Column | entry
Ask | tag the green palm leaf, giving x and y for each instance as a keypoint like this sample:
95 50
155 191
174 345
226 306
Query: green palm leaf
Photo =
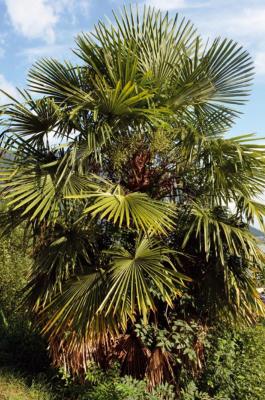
104 300
76 309
34 183
130 209
63 251
219 236
34 119
132 274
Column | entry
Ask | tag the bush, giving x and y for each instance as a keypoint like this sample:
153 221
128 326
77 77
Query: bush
234 368
14 269
127 388
21 347
249 375
103 385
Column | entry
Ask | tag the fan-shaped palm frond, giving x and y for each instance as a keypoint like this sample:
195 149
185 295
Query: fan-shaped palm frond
34 119
132 274
219 236
151 43
130 209
62 82
34 182
60 253
76 309
231 168
109 296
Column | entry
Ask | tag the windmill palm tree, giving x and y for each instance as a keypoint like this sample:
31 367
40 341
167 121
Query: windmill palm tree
119 169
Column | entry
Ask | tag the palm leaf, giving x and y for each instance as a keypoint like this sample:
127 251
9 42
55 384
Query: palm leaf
76 309
219 236
131 275
35 182
131 209
104 300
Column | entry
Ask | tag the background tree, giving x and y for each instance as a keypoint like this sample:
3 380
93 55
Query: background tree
120 170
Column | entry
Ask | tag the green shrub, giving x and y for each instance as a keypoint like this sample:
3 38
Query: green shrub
21 347
14 269
235 367
129 389
191 392
103 385
249 374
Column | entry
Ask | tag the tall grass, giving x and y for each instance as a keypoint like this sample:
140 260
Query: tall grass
14 387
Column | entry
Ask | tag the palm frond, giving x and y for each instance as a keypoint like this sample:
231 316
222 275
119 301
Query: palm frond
131 275
76 309
33 119
104 299
220 236
130 209
34 182
60 253
232 168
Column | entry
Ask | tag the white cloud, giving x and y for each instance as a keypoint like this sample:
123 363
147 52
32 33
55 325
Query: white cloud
33 18
246 24
168 5
251 21
72 6
8 87
37 19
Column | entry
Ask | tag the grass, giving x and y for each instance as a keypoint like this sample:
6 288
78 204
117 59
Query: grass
14 387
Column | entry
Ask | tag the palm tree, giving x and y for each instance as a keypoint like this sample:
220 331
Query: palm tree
119 169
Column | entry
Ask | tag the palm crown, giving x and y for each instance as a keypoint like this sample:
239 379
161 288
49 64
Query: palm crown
130 208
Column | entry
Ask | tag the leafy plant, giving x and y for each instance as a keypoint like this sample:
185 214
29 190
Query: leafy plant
21 346
130 209
233 367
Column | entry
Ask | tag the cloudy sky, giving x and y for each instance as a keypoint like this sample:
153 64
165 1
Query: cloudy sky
31 29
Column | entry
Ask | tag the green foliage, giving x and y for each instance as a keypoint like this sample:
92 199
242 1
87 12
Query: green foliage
191 392
21 347
234 366
118 238
179 339
222 364
183 341
249 374
129 389
102 385
14 268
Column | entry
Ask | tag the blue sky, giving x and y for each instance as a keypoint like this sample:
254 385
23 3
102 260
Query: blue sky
31 29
